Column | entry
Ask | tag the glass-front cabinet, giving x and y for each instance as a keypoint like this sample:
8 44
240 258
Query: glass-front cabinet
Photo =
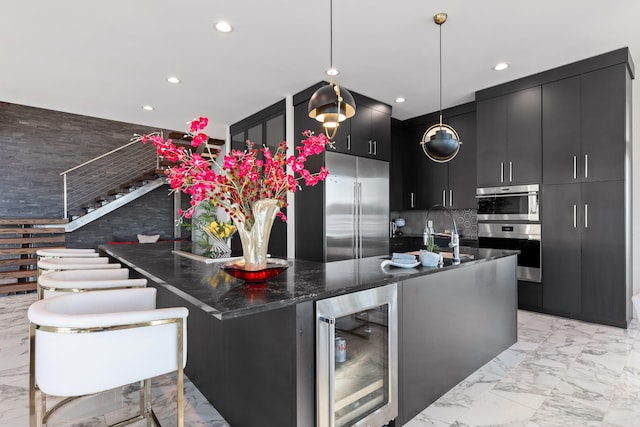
357 365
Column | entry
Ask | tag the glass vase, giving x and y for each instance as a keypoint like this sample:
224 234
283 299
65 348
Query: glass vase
255 241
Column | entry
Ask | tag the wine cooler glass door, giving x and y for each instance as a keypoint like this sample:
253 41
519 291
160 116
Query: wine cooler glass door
357 362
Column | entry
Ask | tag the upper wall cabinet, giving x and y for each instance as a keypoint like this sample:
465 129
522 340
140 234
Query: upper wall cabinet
371 133
451 184
509 132
397 169
584 127
266 127
367 134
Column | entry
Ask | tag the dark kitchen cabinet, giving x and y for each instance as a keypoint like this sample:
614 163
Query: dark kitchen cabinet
583 251
577 145
397 169
451 184
371 133
478 307
265 127
462 169
509 138
367 134
604 293
561 247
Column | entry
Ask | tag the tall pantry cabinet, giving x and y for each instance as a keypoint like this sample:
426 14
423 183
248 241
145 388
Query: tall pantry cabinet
586 134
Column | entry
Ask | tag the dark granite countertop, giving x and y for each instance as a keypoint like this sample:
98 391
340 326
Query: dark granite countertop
224 297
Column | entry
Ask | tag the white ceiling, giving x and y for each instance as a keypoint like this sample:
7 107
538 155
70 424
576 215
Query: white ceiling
108 59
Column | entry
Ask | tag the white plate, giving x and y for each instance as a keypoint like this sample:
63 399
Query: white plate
397 264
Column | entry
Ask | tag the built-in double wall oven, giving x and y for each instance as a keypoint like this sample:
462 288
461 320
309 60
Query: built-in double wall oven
509 218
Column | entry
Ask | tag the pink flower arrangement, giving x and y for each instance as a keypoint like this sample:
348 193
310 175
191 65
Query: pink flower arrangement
243 178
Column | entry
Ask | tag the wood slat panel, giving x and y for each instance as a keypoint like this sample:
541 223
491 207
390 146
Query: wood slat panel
20 239
17 262
30 230
33 221
17 251
32 240
25 251
20 274
18 287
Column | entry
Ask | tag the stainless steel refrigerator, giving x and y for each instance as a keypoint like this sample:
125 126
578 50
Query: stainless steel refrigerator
356 207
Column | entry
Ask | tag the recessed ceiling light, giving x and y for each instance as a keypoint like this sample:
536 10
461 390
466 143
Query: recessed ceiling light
148 107
501 66
332 72
173 80
223 27
400 99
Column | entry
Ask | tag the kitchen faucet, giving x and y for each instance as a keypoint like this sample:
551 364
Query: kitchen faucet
455 239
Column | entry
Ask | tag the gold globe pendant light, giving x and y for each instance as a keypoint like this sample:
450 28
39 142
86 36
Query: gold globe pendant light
331 104
440 142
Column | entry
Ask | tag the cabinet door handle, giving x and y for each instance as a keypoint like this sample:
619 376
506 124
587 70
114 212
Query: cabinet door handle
349 142
575 167
444 198
413 199
586 166
370 147
586 215
450 197
510 171
575 216
501 171
375 147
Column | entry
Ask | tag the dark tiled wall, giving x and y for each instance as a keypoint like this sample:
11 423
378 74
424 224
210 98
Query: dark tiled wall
150 214
37 144
466 221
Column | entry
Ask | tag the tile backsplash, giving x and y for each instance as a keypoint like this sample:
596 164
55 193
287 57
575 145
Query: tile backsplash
466 221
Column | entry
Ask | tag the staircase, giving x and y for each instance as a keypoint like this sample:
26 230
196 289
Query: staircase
107 182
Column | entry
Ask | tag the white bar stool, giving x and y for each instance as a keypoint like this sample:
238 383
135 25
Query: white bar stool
90 342
66 252
68 281
60 264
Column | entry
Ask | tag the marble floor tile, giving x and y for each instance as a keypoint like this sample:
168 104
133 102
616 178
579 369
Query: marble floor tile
560 373
495 409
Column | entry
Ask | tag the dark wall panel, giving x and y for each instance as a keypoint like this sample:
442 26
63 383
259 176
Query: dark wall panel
37 144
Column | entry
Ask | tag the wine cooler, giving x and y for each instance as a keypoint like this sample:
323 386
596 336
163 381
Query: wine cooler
357 358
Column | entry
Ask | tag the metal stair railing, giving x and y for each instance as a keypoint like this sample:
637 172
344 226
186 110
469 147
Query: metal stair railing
109 171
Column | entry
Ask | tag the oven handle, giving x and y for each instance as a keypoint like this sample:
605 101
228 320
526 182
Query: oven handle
492 196
534 237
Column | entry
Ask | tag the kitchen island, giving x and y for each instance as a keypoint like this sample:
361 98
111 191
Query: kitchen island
251 349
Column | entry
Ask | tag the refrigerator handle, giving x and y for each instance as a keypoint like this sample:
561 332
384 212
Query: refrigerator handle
354 215
359 220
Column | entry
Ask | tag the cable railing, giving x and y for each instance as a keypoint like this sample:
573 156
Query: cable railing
95 178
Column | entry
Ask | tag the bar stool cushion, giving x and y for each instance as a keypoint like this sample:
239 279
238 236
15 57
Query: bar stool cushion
76 263
67 252
62 282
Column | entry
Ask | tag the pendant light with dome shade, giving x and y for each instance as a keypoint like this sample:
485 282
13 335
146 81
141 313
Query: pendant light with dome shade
331 104
440 142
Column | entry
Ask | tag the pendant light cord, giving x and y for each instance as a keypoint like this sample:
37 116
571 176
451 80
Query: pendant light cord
440 25
331 40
